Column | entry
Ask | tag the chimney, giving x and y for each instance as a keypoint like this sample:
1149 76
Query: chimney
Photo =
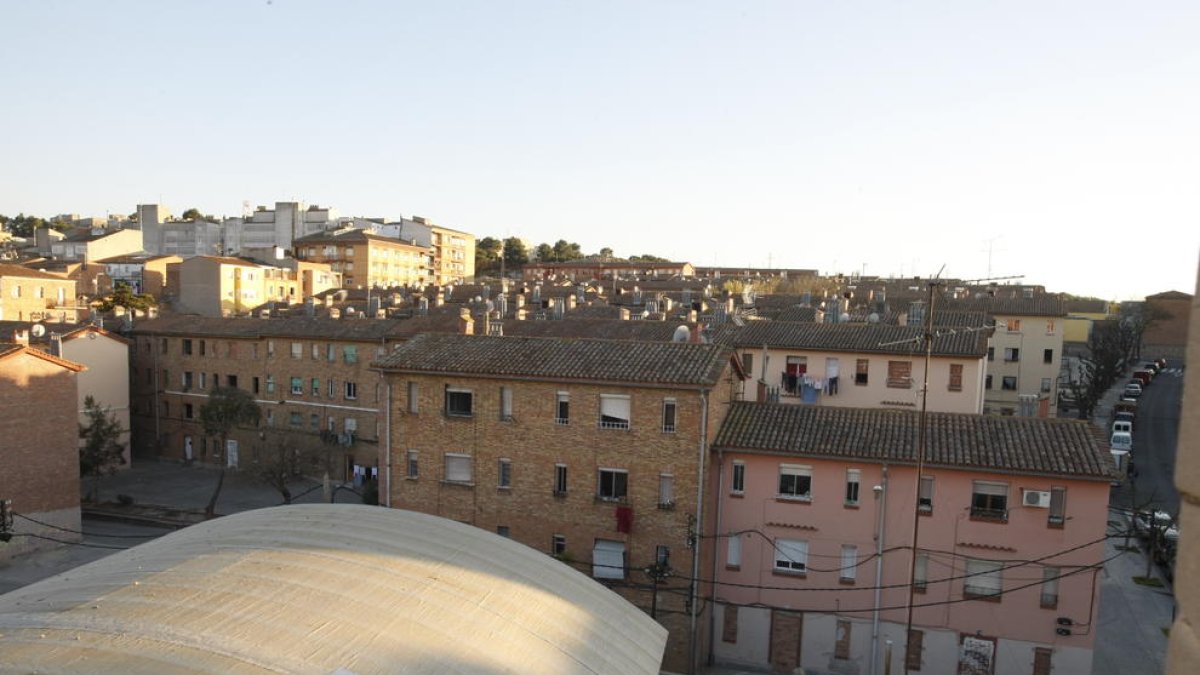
623 313
520 300
21 336
691 316
56 348
571 302
466 325
440 299
520 313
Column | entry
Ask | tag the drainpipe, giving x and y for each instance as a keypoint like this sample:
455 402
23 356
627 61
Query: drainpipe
387 443
712 615
699 528
880 535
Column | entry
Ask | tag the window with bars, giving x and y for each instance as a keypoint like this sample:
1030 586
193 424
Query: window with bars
562 408
925 495
504 473
956 377
412 465
560 480
989 500
861 371
738 483
1058 507
668 416
614 411
853 480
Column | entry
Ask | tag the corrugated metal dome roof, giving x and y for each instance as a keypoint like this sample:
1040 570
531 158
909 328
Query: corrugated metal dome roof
320 588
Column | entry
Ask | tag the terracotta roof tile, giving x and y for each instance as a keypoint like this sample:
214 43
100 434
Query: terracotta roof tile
1058 447
851 337
657 363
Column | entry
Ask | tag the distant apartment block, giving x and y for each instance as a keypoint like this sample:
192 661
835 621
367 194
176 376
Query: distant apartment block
451 252
30 295
587 270
224 286
365 259
90 245
162 234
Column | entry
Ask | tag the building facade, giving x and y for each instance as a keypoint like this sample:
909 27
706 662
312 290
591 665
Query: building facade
589 450
30 295
365 259
223 286
819 509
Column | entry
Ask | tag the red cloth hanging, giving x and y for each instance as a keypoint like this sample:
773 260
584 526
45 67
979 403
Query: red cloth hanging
624 519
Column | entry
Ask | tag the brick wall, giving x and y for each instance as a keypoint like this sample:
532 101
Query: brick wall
40 433
535 443
1184 652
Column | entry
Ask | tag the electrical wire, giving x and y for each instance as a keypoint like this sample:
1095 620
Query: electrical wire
70 543
89 534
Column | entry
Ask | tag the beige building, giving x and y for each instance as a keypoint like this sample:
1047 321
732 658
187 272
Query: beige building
859 365
451 253
1183 657
223 286
588 450
106 379
30 295
365 259
144 274
97 243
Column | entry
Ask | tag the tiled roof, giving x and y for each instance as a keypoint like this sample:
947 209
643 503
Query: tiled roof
851 337
1038 305
9 270
798 313
607 329
1087 306
8 349
354 235
655 363
290 327
1059 447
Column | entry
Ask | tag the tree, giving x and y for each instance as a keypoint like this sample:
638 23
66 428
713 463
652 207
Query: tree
227 408
606 253
647 258
123 296
101 452
192 214
278 464
487 253
515 253
544 253
565 250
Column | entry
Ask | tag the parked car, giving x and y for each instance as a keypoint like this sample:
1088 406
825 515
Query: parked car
1122 426
1121 440
1132 390
1143 377
1152 366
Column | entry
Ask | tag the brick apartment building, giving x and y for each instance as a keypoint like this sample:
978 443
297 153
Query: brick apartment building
589 450
39 452
308 374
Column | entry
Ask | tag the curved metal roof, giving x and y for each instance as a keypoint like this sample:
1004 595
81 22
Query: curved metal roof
323 588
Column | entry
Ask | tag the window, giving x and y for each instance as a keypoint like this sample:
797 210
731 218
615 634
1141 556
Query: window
849 563
297 386
853 477
899 374
562 409
748 363
925 495
504 473
729 626
733 551
1012 354
560 480
613 485
1009 383
254 384
860 371
666 491
608 559
912 654
991 353
162 346
316 351
668 416
332 388
188 413
351 391
295 419
614 411
330 352
1050 587
987 382
1050 328
204 350
791 555
412 466
232 381
503 531
1045 385
1058 506
297 350
989 500
187 380
413 392
506 404
739 478
1014 325
956 371
458 468
1047 356
204 380
270 384
458 402
187 347
983 579
270 417
795 482
315 386
270 348
921 572
314 421
558 545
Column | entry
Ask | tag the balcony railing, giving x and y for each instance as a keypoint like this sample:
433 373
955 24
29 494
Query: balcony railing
997 515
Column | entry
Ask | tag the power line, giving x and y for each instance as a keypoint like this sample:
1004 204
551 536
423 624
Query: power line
88 534
70 543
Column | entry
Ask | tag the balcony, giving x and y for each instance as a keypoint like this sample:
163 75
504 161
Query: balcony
991 515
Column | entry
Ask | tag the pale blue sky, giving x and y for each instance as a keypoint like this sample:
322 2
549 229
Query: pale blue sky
892 136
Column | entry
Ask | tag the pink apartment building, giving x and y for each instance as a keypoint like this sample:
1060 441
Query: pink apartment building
815 526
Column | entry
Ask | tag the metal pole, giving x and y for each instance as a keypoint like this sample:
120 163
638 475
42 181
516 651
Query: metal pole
879 543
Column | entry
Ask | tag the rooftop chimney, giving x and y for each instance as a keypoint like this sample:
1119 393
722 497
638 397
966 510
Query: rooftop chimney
21 336
466 325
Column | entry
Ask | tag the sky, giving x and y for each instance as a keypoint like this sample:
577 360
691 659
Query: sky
1057 142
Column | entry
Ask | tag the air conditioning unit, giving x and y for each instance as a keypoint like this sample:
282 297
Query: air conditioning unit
1036 498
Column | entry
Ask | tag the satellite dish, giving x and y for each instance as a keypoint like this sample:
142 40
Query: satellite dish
872 318
682 334
844 318
38 330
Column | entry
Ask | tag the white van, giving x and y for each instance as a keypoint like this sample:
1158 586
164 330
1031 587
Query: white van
1121 440
1122 427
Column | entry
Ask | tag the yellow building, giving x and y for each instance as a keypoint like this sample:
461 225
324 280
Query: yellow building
224 286
366 259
